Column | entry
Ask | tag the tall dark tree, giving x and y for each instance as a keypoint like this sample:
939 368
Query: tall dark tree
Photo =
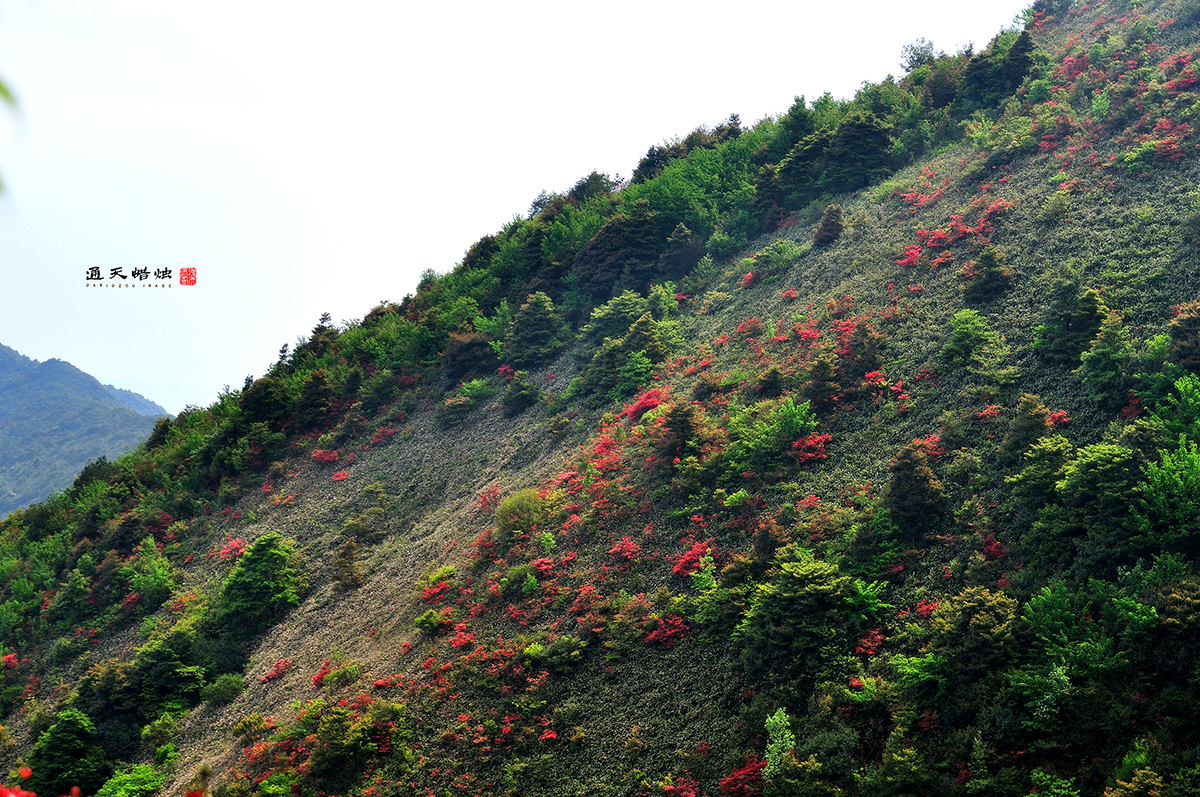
860 153
538 334
68 755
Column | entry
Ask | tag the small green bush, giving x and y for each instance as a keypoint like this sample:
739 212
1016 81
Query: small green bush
224 690
140 780
969 333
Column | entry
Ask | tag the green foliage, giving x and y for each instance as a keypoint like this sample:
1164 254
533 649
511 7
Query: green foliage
915 496
797 617
1096 484
224 690
761 436
1179 412
1030 424
634 374
347 573
163 730
780 741
265 583
519 514
831 226
139 780
992 277
519 394
1103 366
970 332
68 755
538 334
1167 515
1072 319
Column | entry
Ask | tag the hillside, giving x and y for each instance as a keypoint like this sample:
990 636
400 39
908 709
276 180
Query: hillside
53 419
853 452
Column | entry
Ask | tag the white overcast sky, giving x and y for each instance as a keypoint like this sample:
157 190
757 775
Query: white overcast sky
306 158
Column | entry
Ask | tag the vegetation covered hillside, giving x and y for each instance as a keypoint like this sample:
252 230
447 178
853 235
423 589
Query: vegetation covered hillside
53 419
851 453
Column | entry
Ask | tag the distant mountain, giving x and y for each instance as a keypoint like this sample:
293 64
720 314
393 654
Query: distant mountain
53 419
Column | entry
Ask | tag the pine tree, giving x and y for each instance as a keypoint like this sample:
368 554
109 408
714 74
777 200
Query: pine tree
822 389
1184 330
1030 425
992 277
831 226
348 575
538 334
916 497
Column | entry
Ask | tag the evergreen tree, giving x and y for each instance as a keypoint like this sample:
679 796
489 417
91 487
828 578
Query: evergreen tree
1071 321
316 400
519 394
992 277
831 226
860 153
537 335
822 389
915 497
67 755
1184 330
347 575
1030 425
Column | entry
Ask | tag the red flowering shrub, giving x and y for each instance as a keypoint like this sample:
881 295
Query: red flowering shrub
652 398
926 608
870 643
668 632
751 327
690 562
988 412
234 547
489 499
1058 418
749 279
626 549
277 670
745 781
324 456
789 293
912 253
340 476
810 447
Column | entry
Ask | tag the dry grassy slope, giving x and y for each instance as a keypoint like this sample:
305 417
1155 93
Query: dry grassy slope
685 696
438 473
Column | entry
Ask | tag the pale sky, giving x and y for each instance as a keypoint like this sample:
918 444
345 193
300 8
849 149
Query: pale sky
306 157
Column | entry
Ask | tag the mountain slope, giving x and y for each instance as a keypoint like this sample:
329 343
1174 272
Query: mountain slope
854 452
53 419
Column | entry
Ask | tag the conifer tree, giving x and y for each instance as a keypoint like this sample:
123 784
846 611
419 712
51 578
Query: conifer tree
916 497
348 575
822 389
1184 330
831 226
538 334
992 277
1030 425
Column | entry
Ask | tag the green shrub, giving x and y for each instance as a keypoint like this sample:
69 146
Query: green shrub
991 278
831 226
162 731
265 583
140 780
519 394
68 755
761 437
969 333
519 514
224 690
538 334
1071 320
